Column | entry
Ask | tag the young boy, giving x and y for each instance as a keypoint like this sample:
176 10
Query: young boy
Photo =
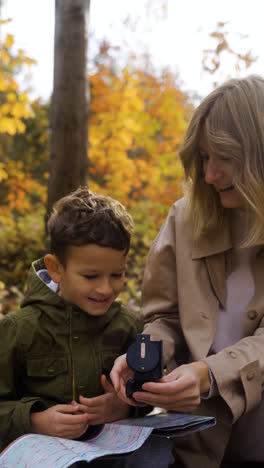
56 351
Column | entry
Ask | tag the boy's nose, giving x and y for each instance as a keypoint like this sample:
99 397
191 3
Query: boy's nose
105 287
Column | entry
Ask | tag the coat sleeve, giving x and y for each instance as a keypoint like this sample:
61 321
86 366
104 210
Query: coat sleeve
14 408
160 297
238 369
238 372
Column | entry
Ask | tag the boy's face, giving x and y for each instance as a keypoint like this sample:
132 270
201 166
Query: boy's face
92 278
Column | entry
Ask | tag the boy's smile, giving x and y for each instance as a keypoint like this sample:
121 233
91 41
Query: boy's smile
92 278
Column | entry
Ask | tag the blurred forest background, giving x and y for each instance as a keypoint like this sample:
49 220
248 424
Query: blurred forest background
136 121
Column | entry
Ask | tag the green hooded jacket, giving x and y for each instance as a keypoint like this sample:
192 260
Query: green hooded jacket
51 352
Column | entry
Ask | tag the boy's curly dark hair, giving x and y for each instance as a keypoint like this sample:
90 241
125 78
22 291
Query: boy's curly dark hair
83 217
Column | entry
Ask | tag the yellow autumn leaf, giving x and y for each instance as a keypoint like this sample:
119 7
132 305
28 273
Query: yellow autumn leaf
20 126
12 84
29 61
3 85
23 97
7 125
5 108
5 21
4 56
9 41
19 109
125 138
11 97
3 173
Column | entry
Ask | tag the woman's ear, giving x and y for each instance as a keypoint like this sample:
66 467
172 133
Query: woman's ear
54 267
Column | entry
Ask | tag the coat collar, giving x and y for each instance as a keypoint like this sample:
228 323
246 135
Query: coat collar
216 250
218 242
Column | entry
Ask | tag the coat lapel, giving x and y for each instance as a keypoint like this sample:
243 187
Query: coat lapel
216 266
213 249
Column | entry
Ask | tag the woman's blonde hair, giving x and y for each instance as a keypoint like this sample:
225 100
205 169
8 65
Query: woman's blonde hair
233 119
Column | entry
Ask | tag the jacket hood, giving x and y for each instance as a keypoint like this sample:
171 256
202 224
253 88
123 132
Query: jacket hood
38 291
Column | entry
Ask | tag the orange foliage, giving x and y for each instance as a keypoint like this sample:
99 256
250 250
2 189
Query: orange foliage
136 124
22 190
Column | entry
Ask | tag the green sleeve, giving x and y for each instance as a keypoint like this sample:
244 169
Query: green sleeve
14 408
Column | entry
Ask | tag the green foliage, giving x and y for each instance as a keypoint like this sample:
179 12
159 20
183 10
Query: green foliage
22 242
148 217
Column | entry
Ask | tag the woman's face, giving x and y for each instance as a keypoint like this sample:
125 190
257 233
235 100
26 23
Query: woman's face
218 172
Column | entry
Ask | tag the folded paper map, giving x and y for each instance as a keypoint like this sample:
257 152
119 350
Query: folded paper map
117 438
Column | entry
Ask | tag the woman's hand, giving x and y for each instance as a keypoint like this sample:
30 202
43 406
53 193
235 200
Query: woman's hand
60 421
104 408
119 375
178 391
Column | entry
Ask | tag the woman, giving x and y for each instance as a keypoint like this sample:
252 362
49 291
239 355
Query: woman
203 291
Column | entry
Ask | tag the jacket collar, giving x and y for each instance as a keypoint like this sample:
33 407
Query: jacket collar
215 249
215 243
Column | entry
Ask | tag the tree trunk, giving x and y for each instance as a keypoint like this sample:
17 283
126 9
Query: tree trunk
69 114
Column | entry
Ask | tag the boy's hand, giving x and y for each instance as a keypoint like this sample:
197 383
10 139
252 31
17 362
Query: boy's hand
60 421
104 408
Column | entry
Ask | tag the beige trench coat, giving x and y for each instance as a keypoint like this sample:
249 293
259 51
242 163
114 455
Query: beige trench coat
184 283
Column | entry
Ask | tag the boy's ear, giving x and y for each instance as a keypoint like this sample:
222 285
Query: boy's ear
54 267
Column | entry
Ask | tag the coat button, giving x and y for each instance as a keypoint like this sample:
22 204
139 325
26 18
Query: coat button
252 314
232 354
76 338
250 375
